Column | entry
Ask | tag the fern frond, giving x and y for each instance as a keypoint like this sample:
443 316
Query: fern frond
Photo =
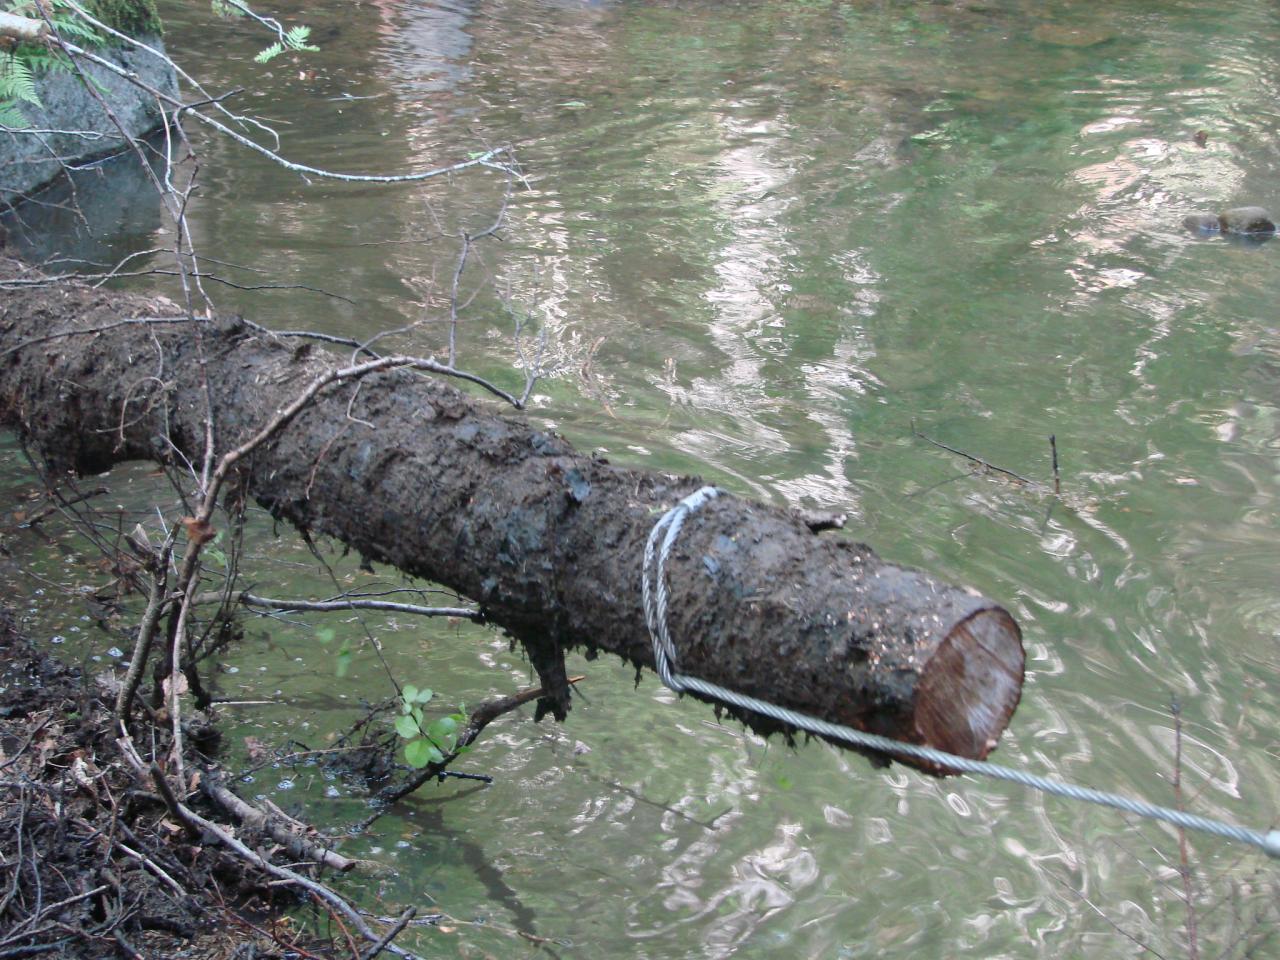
268 53
73 28
296 38
17 82
11 116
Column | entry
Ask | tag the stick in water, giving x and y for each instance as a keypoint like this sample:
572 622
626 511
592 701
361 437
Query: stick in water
1057 478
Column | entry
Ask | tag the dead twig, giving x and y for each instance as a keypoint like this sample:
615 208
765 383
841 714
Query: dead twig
323 606
396 929
985 464
199 826
299 846
87 331
1132 938
1184 863
1057 477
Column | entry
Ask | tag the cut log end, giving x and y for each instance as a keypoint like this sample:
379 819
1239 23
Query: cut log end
970 686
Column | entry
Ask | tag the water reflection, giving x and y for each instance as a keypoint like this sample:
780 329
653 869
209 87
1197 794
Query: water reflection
93 218
426 45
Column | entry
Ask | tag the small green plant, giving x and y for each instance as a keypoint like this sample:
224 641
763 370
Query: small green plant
293 39
17 86
20 65
213 550
341 659
425 742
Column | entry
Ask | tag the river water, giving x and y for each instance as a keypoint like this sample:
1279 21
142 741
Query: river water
763 240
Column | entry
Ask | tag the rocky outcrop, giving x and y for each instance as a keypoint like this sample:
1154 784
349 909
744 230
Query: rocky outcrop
71 127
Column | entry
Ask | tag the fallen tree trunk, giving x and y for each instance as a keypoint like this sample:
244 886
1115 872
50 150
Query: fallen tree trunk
410 471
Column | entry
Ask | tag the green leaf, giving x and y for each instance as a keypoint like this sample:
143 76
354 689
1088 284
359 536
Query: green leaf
442 729
342 662
407 728
405 707
409 692
424 696
325 634
419 753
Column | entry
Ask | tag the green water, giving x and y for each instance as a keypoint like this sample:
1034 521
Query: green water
762 239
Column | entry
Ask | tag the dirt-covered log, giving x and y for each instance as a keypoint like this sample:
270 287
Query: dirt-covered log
409 471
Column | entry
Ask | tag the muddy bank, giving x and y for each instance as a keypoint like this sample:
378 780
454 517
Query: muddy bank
91 864
410 471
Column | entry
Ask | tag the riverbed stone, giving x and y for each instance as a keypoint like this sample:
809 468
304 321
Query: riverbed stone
1202 223
1060 35
1246 220
70 127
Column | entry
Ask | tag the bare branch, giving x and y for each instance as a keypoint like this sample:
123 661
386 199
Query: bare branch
146 636
324 606
490 158
985 464
193 822
88 331
298 845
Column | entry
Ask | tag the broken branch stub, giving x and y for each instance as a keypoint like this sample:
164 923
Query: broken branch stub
410 471
22 29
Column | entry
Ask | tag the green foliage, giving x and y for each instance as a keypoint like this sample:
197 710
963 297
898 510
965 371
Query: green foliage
426 742
214 551
134 17
342 661
294 39
17 85
20 66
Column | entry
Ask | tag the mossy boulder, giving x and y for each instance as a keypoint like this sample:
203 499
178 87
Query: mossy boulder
137 18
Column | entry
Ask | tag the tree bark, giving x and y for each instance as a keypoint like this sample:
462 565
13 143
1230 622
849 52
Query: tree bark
410 471
22 29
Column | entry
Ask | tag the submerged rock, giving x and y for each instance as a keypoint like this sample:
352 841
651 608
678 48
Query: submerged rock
1252 220
1202 223
1059 35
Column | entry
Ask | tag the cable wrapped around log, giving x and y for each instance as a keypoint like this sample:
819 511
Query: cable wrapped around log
410 471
